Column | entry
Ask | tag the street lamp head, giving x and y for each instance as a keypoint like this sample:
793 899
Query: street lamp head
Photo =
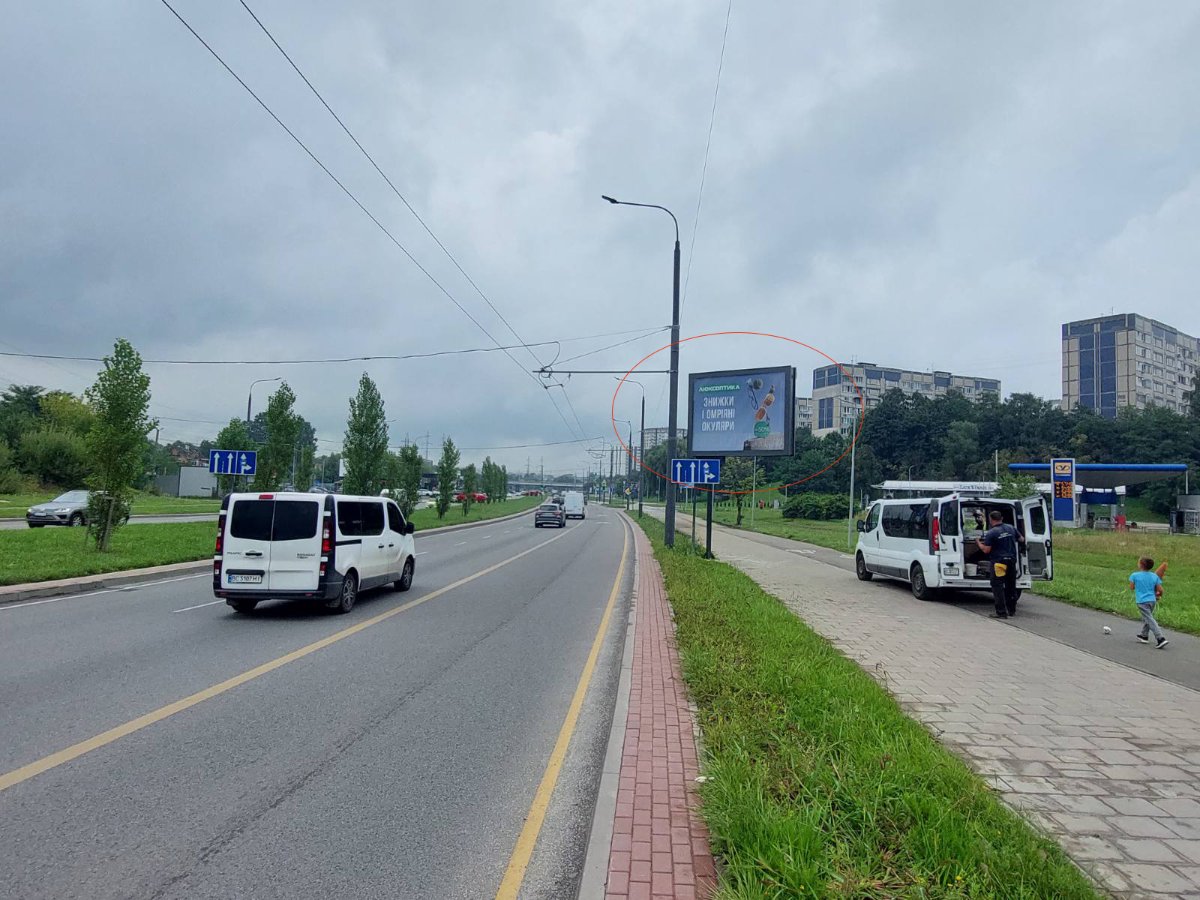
609 199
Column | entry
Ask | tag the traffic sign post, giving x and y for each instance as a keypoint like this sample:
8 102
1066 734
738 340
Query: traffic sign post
705 473
233 462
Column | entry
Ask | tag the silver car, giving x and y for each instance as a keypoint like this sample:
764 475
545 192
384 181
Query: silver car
67 509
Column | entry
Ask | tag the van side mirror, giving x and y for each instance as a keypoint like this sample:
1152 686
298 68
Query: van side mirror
862 525
409 527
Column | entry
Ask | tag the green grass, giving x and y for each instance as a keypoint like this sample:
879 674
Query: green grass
13 506
46 554
1136 510
817 783
1091 568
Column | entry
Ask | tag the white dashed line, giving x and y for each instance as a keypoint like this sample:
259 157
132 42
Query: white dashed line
117 590
199 606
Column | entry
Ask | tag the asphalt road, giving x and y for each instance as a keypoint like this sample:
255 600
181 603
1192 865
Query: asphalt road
399 761
133 520
1074 626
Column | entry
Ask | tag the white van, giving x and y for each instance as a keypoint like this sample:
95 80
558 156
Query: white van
573 505
324 547
934 543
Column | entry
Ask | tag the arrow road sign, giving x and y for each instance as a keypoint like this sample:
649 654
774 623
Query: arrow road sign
696 471
233 462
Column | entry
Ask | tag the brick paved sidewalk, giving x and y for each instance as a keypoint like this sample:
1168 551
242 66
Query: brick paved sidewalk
1103 758
659 844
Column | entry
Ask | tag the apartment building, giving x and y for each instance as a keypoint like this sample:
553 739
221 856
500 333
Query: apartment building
836 402
1126 360
804 413
656 436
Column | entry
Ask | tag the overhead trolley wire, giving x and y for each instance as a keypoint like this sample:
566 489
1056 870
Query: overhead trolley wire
354 199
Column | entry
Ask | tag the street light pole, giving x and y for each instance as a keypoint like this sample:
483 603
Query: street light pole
672 412
250 394
641 445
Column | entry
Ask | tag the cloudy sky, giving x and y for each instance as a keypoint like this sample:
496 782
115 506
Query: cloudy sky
928 185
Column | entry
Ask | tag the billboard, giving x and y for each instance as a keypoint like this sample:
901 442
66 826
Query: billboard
744 412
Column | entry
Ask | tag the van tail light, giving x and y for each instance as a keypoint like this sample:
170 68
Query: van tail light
322 570
326 540
220 535
935 536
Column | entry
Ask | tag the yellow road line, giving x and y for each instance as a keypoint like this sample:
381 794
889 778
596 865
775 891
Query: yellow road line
16 776
514 875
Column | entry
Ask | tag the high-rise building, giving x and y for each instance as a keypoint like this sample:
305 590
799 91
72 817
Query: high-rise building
656 436
1126 360
804 413
836 400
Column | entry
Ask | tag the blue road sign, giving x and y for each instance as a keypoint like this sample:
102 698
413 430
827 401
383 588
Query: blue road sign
696 471
233 462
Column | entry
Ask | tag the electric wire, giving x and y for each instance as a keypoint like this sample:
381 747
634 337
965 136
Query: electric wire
707 146
383 228
404 200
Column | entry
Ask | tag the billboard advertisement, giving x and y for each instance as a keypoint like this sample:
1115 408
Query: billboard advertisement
744 412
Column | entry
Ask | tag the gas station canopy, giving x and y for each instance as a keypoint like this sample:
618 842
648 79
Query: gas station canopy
1106 476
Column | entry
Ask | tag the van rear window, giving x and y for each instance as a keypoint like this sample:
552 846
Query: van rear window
359 518
293 520
251 519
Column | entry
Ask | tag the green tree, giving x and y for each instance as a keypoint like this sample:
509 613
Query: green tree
55 457
63 411
234 436
447 472
305 465
1014 486
275 453
10 478
120 399
404 477
961 444
366 442
470 478
19 410
739 474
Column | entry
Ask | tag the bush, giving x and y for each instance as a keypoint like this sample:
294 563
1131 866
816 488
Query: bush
54 457
810 505
10 478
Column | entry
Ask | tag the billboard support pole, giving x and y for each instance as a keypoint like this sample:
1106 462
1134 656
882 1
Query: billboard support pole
708 527
693 515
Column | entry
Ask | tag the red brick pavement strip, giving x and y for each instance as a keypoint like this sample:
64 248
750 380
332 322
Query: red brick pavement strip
660 844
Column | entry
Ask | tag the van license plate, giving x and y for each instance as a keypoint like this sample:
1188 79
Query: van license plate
245 579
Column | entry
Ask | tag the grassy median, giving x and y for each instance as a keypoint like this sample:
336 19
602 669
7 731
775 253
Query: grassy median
817 783
13 506
47 554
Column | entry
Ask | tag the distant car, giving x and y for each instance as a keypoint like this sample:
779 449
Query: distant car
550 514
477 497
66 509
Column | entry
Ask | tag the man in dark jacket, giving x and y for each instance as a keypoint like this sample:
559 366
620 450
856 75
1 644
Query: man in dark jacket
1000 545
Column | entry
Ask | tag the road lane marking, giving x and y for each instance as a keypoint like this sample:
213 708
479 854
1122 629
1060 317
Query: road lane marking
199 606
127 589
514 875
460 543
420 553
67 754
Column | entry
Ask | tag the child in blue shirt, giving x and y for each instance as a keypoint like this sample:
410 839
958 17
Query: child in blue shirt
1147 589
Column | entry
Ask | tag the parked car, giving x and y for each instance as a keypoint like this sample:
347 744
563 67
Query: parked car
934 543
324 549
550 514
66 509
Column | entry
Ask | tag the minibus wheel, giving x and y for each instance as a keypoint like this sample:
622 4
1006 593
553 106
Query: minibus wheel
349 593
243 606
406 576
861 570
921 590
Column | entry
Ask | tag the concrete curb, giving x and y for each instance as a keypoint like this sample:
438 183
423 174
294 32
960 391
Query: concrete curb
595 865
15 593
